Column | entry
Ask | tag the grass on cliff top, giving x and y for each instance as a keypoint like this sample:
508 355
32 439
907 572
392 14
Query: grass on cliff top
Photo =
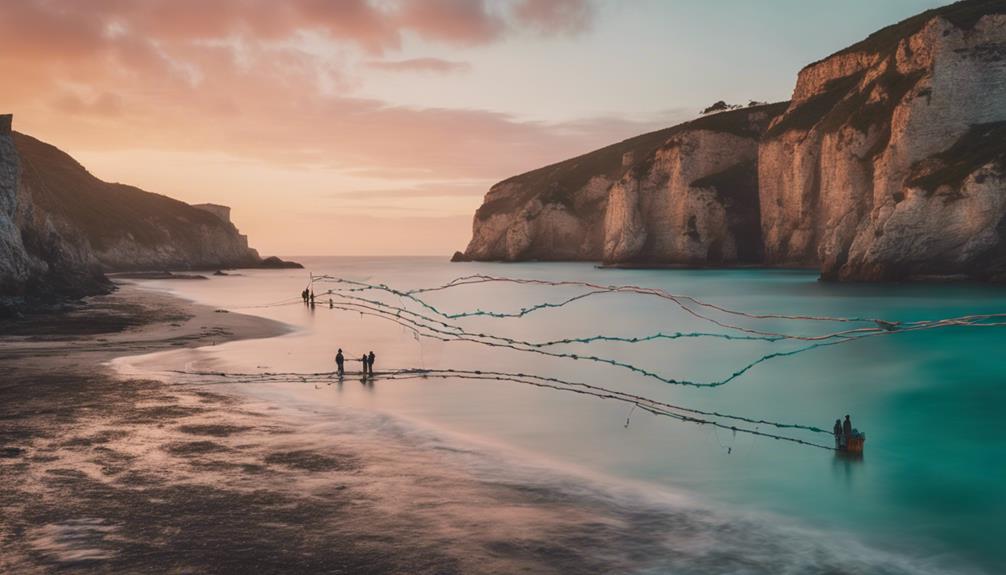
964 15
104 212
557 182
982 144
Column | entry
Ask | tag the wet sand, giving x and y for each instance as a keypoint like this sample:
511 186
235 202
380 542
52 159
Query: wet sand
103 473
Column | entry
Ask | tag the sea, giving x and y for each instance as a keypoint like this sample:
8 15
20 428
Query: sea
926 496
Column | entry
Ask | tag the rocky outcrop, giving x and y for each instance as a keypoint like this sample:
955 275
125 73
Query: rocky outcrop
40 254
60 227
687 194
875 171
127 228
888 163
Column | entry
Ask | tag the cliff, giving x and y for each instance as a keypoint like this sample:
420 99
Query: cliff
39 254
683 194
888 163
61 227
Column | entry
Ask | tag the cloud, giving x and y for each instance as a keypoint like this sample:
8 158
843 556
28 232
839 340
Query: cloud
272 83
436 65
103 104
555 16
79 29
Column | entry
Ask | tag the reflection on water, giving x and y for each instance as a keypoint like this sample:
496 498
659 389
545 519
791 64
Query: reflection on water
844 467
932 498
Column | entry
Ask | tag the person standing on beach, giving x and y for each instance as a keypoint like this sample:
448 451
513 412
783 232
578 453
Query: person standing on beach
339 361
363 365
370 363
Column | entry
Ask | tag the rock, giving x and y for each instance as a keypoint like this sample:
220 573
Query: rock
889 163
686 194
459 257
162 275
61 228
273 262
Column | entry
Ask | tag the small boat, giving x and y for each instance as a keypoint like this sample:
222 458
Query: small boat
854 444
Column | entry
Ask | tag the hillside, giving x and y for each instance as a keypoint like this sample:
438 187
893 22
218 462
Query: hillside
61 227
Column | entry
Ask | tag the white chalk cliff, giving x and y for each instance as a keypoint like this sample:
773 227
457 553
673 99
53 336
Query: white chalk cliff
888 163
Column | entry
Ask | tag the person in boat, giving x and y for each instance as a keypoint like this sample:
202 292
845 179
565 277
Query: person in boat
370 362
339 361
847 429
837 430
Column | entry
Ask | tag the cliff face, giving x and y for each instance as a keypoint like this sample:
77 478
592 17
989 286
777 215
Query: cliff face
686 194
39 253
60 227
128 228
888 163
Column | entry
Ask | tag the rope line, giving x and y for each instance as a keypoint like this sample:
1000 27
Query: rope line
678 412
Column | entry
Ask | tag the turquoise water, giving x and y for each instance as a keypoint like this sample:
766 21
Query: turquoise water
929 488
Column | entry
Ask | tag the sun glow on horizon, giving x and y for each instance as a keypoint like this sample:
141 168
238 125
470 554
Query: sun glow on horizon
366 127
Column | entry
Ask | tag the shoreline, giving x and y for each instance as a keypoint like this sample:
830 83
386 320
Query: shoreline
110 473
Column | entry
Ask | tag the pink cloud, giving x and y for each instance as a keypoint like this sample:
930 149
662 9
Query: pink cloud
437 65
555 16
216 76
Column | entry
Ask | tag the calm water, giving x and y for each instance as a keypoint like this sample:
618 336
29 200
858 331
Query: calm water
927 495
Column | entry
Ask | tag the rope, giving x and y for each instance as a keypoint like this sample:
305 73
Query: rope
677 412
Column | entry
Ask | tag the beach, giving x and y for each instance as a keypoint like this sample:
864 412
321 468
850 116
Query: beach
109 475
119 457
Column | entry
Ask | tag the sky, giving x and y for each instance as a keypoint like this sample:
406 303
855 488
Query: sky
375 127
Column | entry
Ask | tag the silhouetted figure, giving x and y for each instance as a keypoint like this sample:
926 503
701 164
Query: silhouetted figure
312 297
370 363
330 304
363 365
839 444
339 363
847 429
303 295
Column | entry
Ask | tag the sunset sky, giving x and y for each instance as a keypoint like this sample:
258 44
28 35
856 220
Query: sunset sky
375 127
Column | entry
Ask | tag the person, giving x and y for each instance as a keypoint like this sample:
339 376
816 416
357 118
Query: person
303 295
370 362
847 429
312 297
363 365
330 304
837 430
339 361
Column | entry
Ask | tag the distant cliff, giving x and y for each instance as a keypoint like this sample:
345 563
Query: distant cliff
888 163
683 194
61 227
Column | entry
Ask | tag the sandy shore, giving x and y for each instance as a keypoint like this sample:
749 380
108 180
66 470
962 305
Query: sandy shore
105 475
